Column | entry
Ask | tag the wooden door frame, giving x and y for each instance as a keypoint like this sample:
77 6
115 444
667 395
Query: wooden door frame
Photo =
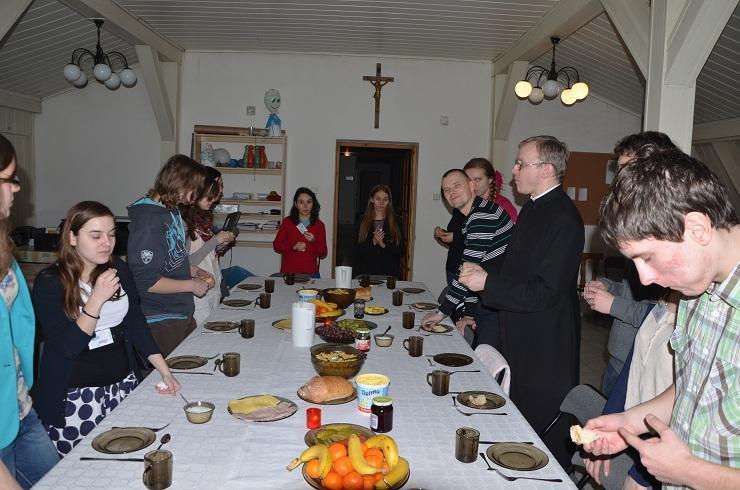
410 230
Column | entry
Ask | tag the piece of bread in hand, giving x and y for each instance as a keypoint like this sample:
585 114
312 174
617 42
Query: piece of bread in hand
579 435
321 389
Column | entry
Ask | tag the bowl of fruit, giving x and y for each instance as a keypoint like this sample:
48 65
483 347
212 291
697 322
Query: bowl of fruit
336 360
340 296
331 332
345 464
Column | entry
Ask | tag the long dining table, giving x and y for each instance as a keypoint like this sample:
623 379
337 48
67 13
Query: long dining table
230 453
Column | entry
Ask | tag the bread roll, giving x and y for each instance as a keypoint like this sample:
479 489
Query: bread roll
364 293
322 389
579 435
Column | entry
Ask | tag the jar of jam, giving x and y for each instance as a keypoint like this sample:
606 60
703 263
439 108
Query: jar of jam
359 309
381 414
362 339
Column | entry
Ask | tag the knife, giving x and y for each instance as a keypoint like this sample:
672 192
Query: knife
191 372
86 458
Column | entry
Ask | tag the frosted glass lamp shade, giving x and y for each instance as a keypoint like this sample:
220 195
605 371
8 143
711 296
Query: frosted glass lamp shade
580 90
522 89
567 97
82 81
128 77
113 82
551 88
537 95
102 72
72 72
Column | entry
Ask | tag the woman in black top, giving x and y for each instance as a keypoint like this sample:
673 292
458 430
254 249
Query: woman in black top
380 243
88 308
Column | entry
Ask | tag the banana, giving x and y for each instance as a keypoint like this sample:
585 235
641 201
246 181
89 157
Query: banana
359 464
396 475
388 446
320 451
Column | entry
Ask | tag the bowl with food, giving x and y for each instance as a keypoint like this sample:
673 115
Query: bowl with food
332 333
199 412
383 340
341 296
336 360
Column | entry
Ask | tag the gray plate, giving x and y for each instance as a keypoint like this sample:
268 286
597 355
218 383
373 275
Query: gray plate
517 456
447 328
236 303
452 359
492 400
186 362
221 326
250 287
123 440
424 306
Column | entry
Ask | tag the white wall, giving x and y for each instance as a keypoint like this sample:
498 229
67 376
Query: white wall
588 126
324 99
95 144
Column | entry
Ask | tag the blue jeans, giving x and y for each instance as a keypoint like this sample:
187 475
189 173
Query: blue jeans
31 455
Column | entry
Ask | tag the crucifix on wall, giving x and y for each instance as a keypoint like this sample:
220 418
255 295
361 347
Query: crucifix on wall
378 82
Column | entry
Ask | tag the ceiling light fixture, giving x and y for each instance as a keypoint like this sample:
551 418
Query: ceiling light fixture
102 67
347 152
554 81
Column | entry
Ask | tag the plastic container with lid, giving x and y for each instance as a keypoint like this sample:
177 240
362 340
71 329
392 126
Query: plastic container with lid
381 414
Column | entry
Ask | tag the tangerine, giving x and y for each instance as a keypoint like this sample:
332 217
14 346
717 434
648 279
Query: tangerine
352 481
337 450
373 451
374 460
312 468
378 476
332 481
342 466
368 482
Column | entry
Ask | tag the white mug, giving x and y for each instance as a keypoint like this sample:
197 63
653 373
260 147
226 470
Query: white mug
343 276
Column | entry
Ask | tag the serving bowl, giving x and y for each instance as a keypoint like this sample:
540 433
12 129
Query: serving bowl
341 296
199 412
330 332
383 340
336 362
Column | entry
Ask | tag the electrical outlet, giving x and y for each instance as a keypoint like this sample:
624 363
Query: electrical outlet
436 196
251 110
444 121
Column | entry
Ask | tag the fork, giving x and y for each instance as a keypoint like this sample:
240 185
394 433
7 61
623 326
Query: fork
514 478
468 414
153 429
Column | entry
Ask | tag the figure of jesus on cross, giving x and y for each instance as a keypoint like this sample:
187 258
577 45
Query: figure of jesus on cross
378 82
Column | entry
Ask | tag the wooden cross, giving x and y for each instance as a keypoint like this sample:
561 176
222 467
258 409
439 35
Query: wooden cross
378 82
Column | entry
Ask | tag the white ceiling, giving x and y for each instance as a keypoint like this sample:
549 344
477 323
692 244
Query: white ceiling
33 54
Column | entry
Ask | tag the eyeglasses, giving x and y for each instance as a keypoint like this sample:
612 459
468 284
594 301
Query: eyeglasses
518 164
14 180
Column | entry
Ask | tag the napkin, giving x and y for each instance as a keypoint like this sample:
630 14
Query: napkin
248 405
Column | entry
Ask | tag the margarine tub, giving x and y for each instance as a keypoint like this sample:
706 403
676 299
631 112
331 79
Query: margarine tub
369 386
306 295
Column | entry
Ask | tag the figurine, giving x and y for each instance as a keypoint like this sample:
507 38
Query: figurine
206 155
272 102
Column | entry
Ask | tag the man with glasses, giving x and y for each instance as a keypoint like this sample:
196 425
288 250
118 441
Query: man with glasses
535 289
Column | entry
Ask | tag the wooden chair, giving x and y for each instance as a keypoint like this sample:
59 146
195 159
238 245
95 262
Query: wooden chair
595 259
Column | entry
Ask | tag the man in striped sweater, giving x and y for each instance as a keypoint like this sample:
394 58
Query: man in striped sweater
486 231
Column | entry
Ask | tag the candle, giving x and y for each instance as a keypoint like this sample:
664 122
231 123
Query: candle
313 418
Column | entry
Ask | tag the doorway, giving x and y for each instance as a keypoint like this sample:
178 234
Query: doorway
361 165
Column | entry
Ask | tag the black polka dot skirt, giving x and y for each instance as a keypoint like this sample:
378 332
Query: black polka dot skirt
84 408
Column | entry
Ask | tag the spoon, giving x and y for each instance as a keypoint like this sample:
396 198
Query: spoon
183 397
386 331
164 440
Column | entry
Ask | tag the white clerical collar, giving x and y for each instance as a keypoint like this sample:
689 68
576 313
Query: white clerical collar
534 198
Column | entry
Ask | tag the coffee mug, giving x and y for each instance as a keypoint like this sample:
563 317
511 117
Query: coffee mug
397 298
157 469
246 328
414 344
439 380
230 364
408 318
390 282
263 300
289 278
269 285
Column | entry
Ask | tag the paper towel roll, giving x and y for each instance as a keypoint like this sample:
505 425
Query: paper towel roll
303 321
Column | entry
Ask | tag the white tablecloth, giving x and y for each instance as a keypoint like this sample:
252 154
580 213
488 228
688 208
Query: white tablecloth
228 453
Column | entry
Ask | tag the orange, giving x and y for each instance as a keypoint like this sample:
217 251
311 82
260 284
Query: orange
368 482
352 481
312 468
378 476
373 451
364 447
332 481
374 460
343 466
337 450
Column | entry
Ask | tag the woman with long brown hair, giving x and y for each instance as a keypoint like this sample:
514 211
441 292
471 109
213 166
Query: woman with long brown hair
26 453
88 308
380 243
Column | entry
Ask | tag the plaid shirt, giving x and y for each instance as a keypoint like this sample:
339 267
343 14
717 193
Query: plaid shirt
706 413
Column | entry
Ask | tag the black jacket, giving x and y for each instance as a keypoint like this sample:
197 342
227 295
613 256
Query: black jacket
374 260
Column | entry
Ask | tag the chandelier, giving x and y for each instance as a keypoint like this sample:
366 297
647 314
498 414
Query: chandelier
564 81
102 67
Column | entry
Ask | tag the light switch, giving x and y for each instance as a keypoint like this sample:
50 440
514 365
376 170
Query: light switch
436 196
251 110
444 121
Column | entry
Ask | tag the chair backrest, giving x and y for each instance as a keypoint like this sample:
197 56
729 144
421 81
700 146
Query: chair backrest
583 402
496 365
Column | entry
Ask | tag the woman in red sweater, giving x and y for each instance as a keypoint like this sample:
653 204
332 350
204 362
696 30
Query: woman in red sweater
301 239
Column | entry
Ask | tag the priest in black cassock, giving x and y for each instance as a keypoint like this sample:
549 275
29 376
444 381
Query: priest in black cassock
535 287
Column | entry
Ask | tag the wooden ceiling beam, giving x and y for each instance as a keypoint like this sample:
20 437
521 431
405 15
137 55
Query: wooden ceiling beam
22 102
632 20
124 25
725 130
562 20
10 12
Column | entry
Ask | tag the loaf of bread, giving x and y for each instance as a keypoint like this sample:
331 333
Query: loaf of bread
579 435
364 293
322 389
